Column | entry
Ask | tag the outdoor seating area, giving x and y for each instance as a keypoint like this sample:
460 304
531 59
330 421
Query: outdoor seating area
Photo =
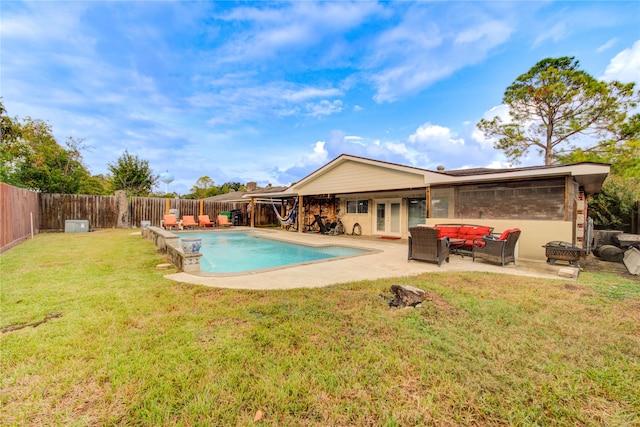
170 222
462 236
435 244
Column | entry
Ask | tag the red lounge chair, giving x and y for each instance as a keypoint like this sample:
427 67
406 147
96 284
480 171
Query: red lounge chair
223 221
204 221
169 221
188 221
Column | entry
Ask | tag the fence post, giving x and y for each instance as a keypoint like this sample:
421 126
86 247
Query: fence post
122 209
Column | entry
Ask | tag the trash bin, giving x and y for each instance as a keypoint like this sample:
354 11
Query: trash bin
227 214
236 217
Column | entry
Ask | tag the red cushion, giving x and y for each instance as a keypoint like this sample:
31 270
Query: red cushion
471 231
506 232
450 232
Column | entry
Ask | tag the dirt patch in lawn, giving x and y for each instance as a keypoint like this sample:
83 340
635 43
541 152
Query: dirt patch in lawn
593 264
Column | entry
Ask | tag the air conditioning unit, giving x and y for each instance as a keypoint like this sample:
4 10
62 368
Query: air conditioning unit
76 226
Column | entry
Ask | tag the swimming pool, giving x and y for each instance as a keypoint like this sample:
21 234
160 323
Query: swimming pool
238 251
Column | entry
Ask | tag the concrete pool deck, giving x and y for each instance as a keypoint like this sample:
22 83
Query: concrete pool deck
389 259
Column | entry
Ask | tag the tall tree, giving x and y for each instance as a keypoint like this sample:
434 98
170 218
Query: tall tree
555 105
614 206
622 151
13 150
203 186
32 158
133 175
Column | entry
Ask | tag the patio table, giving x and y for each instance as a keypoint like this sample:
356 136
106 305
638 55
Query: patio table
456 245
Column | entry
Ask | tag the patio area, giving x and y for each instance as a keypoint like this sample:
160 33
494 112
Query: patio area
388 260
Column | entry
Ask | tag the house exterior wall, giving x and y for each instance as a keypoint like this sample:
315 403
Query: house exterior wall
531 199
367 221
351 177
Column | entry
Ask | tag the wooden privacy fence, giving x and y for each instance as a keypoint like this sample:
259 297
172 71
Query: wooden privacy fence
55 209
102 211
153 209
18 215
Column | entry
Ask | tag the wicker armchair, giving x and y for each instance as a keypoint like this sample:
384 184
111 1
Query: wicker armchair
501 249
424 245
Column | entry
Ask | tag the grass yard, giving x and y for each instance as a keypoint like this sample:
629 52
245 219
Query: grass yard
124 346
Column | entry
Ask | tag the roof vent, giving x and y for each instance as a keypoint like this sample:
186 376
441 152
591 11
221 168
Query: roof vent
441 168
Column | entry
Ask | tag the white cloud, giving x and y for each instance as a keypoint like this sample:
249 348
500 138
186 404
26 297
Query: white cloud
419 51
482 139
318 157
324 108
555 33
625 66
294 27
429 134
608 45
354 139
397 148
501 111
491 32
298 95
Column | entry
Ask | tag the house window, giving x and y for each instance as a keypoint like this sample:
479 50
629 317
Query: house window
441 202
417 209
358 206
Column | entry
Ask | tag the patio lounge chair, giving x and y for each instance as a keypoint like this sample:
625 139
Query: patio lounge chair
424 245
204 221
223 221
188 221
169 221
500 250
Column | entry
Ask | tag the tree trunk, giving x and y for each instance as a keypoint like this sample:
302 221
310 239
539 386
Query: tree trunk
122 209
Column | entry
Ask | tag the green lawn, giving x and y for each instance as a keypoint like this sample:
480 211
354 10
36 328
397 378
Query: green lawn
132 348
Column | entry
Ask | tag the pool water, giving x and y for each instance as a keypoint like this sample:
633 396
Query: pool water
235 252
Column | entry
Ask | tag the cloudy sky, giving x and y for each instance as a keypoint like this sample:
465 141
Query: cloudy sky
270 91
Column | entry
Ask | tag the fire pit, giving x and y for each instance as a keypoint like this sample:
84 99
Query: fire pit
563 251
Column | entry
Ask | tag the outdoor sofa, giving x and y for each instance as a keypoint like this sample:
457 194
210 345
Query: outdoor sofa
464 235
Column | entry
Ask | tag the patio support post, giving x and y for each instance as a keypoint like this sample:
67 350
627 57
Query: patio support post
201 207
252 212
167 206
566 198
300 213
428 197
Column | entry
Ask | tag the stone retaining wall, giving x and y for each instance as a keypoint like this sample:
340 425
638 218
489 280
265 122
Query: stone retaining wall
167 242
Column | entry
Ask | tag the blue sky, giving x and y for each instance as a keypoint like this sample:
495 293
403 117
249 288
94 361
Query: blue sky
271 91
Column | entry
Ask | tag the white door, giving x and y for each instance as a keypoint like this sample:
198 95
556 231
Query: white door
387 220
